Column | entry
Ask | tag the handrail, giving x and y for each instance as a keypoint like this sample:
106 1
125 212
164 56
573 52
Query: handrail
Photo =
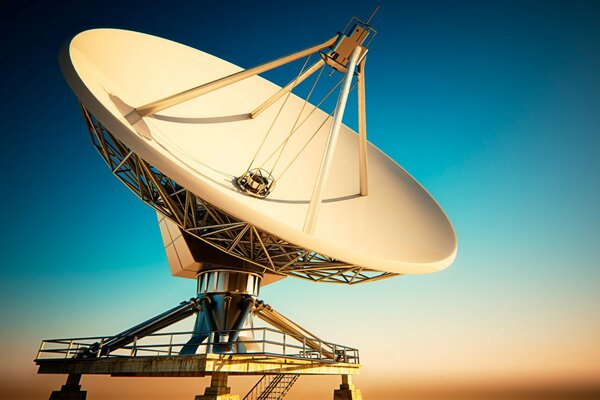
261 341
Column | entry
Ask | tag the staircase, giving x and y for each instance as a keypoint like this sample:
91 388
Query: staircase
272 387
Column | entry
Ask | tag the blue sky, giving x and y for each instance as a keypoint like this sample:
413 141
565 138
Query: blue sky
492 106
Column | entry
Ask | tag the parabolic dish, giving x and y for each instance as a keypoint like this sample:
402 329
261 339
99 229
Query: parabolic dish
204 144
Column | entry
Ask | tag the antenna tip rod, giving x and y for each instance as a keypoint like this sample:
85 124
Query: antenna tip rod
374 12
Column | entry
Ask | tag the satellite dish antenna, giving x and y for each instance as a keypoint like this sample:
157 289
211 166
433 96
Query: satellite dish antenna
251 182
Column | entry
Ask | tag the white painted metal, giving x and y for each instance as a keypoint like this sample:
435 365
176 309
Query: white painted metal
315 67
206 142
362 131
179 255
208 87
317 195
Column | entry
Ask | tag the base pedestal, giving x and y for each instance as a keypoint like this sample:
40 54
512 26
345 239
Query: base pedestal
218 389
347 391
70 390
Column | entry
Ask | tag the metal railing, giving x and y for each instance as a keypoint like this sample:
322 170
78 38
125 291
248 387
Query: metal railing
272 387
252 341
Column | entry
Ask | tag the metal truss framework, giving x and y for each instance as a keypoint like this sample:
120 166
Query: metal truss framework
214 226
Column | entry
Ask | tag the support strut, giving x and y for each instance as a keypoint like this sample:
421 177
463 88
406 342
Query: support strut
176 314
170 101
317 196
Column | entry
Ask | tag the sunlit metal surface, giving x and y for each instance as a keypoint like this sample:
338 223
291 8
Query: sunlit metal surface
215 227
267 341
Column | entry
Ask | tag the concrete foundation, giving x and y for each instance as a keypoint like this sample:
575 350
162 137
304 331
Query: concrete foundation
70 390
347 391
218 389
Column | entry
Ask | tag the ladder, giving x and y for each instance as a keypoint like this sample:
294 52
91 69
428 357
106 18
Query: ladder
272 387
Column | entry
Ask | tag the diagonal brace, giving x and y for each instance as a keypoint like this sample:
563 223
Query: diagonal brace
170 101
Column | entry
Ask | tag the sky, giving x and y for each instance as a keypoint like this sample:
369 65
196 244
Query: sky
491 105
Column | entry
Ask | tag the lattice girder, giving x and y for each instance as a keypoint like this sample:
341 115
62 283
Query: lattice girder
214 226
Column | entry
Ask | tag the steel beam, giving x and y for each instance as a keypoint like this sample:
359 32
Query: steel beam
211 225
317 196
290 86
170 101
362 130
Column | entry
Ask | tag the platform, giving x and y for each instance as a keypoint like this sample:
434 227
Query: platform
195 365
279 357
274 352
